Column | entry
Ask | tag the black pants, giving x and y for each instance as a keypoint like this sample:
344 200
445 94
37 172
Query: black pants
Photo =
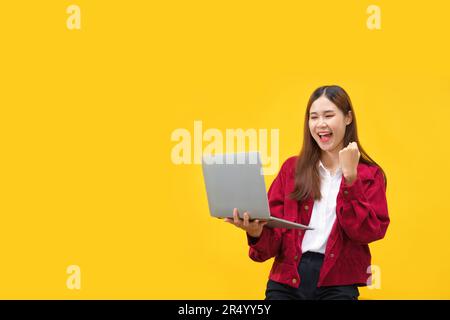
309 270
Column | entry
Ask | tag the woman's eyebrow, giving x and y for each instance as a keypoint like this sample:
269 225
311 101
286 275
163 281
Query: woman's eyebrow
323 112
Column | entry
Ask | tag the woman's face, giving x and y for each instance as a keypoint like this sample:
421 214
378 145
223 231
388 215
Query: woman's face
328 120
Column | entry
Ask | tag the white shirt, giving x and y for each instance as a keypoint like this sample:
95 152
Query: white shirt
324 211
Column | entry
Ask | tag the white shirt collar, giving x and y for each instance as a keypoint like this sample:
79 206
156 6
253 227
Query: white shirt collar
327 173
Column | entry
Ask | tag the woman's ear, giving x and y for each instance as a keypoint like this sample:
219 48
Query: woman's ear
348 118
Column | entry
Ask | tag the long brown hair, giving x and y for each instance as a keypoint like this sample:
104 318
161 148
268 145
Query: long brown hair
307 178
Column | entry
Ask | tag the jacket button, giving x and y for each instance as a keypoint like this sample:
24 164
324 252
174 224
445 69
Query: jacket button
345 192
299 232
294 281
306 207
296 257
332 255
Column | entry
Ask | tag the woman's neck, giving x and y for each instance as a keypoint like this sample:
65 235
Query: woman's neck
330 160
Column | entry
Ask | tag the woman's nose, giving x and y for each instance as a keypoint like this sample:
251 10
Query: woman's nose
322 123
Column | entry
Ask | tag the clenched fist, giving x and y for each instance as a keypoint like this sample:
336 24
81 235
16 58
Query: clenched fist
348 161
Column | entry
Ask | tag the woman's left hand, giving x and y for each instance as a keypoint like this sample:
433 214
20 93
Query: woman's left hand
348 161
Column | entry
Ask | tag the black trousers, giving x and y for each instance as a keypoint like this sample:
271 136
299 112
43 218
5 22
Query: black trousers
309 270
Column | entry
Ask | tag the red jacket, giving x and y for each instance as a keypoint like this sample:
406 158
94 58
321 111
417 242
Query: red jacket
361 217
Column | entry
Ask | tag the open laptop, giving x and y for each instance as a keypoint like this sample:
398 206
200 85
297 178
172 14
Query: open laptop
235 180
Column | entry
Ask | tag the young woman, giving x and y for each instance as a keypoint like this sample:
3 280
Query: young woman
334 187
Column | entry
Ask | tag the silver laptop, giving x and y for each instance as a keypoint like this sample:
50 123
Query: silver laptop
236 180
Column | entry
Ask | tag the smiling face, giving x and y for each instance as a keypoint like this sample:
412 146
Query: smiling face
327 124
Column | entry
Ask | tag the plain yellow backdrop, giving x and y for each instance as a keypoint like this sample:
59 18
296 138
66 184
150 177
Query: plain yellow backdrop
86 117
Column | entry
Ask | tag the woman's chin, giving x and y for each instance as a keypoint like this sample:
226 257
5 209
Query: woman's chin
326 147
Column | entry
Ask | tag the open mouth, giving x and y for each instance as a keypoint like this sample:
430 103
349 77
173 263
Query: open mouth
325 137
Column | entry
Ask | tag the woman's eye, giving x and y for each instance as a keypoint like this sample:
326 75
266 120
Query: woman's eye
330 116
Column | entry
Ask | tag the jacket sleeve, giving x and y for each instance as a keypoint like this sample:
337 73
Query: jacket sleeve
364 213
268 244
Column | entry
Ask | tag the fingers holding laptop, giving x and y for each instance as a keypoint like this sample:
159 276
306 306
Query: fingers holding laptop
253 228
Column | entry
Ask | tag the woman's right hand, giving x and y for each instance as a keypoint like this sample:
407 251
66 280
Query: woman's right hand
253 228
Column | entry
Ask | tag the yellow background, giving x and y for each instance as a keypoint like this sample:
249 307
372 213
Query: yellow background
86 116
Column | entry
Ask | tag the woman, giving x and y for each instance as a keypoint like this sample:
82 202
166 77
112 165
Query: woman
334 187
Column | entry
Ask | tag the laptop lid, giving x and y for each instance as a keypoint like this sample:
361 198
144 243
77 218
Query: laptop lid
235 180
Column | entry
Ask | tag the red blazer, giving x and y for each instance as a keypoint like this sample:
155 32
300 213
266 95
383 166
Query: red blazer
361 217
